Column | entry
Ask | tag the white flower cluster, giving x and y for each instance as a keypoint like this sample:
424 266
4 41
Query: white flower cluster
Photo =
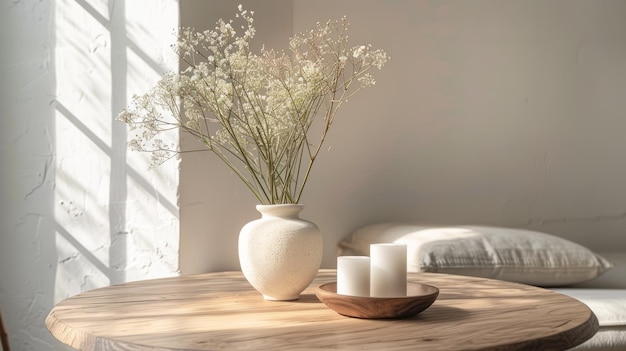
255 111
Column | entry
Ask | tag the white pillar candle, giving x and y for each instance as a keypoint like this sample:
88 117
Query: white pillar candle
388 270
353 275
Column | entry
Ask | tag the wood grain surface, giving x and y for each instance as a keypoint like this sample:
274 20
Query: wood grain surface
220 311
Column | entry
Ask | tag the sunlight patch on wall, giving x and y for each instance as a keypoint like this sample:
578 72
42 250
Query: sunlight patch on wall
116 220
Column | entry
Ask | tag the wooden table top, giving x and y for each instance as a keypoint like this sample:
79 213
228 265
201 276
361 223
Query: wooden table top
220 311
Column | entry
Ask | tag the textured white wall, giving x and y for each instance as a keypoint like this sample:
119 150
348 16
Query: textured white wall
78 210
490 112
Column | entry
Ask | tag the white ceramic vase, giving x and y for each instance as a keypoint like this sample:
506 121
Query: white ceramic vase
280 253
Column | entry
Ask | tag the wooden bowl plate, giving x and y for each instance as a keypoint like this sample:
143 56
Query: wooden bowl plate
419 297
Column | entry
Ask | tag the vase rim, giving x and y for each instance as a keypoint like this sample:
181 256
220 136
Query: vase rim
278 205
288 210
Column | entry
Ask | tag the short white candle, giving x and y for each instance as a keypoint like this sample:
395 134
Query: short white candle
353 275
388 270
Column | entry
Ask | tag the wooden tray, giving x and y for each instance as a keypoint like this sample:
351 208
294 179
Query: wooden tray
419 297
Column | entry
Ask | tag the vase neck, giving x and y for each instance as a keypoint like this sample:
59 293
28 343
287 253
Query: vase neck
281 210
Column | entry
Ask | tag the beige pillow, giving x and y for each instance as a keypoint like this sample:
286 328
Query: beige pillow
516 255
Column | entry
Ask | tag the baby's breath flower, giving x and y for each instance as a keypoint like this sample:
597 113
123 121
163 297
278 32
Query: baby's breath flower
366 80
358 51
255 111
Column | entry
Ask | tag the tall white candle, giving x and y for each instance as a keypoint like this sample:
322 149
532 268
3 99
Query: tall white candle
388 270
353 275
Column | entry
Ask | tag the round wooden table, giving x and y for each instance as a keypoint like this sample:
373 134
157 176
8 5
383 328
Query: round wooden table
220 311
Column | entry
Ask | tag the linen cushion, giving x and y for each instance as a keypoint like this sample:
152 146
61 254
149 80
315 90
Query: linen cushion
516 255
613 279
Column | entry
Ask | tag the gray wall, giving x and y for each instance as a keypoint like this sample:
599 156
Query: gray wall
213 205
505 113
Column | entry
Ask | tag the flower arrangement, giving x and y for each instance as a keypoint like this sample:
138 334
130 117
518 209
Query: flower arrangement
255 111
